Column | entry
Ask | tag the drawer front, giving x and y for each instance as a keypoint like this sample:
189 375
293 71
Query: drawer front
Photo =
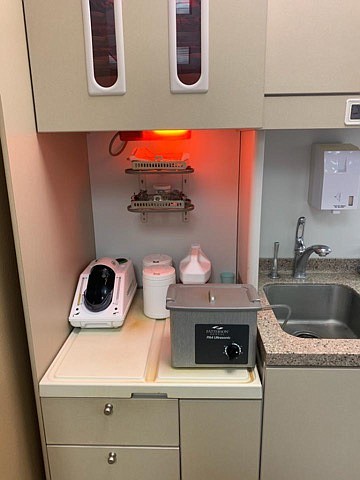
98 421
113 463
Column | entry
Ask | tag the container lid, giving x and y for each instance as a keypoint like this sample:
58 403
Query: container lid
157 259
212 296
162 187
158 272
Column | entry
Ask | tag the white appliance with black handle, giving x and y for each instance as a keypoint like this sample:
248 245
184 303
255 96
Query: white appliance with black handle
104 293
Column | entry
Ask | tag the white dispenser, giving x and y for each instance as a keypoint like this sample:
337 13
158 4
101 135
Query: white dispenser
195 267
156 280
334 177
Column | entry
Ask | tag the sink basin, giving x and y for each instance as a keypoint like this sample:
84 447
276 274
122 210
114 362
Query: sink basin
317 311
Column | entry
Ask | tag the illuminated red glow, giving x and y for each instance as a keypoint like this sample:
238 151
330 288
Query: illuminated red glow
134 136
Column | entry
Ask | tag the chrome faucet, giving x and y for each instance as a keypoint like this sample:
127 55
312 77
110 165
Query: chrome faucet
301 253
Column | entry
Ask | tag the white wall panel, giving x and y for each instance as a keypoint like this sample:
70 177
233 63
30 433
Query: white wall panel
285 192
213 188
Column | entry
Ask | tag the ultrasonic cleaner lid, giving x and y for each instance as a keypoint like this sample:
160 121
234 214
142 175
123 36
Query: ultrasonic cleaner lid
212 296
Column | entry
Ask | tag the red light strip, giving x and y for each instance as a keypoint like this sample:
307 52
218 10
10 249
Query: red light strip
133 136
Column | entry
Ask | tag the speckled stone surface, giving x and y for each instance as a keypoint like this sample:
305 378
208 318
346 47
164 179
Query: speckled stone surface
278 348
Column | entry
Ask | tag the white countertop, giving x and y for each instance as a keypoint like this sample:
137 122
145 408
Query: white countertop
135 359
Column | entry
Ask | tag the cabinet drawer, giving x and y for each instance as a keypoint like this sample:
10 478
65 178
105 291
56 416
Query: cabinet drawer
110 463
101 421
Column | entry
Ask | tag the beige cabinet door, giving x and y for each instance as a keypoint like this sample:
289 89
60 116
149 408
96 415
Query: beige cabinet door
237 31
220 439
311 424
313 47
113 463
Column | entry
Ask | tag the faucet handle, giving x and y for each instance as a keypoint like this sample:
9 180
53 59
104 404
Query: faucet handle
299 235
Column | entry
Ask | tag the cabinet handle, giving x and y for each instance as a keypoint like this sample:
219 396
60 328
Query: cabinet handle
181 54
108 409
112 458
95 86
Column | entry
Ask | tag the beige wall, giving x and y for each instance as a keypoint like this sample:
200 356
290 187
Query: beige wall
20 452
49 190
50 204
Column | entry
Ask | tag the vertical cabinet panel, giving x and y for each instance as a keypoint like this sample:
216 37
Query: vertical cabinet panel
220 439
236 57
313 47
311 424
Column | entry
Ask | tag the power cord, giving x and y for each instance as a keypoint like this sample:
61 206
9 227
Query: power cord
280 305
121 148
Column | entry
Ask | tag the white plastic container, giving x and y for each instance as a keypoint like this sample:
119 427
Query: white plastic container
156 280
156 259
195 268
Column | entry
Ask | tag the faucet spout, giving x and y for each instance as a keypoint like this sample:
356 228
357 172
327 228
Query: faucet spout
301 259
321 250
301 253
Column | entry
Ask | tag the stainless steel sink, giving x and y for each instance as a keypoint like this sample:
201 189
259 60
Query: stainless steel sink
316 311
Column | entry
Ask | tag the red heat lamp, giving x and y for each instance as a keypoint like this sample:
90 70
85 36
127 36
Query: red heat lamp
147 135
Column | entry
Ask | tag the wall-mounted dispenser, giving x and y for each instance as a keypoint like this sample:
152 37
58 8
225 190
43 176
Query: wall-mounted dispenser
334 177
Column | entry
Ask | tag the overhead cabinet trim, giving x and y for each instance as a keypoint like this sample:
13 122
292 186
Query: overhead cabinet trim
92 39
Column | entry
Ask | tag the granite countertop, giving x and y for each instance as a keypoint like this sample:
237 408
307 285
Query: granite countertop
278 348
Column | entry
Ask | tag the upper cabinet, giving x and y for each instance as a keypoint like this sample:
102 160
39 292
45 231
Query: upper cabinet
312 68
143 65
313 47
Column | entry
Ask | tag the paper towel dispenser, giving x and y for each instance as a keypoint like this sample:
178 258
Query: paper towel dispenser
334 177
